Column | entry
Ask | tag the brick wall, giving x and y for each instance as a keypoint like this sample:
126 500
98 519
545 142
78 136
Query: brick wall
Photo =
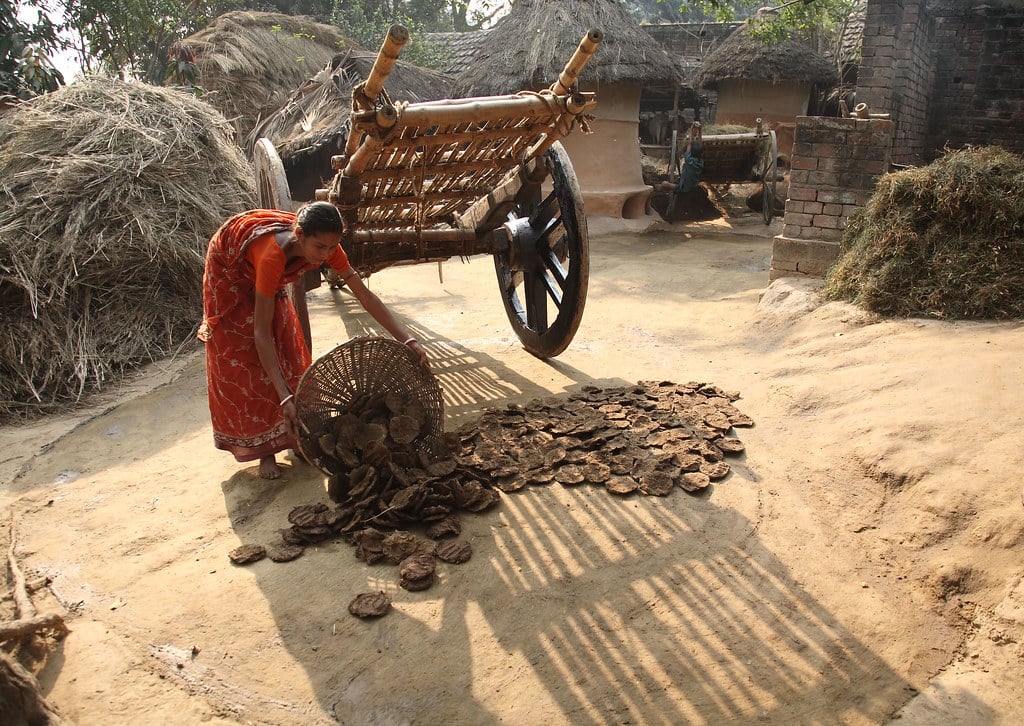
950 73
897 72
978 93
836 162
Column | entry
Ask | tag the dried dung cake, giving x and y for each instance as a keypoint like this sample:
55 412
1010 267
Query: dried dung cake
454 551
416 572
370 604
285 552
244 554
649 439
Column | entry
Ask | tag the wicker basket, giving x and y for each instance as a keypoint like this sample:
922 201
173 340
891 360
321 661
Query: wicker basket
365 366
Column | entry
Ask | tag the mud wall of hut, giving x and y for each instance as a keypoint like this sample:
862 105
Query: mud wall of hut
949 72
607 161
836 163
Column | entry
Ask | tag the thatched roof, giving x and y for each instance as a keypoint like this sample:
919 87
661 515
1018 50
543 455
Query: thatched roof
316 113
741 57
852 39
109 192
252 61
528 48
456 51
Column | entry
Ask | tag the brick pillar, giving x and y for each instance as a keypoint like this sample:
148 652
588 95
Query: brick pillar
836 162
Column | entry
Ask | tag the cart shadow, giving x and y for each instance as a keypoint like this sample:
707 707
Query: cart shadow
580 607
577 607
470 380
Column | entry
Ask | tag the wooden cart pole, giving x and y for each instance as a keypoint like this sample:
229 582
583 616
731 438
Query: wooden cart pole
389 51
567 78
364 95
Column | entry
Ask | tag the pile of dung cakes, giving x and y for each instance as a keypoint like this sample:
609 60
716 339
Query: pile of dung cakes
648 438
402 507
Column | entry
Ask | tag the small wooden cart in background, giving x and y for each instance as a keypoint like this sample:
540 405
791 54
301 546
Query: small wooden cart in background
741 159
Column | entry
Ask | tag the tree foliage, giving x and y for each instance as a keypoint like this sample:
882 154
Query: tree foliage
133 37
367 22
810 20
25 48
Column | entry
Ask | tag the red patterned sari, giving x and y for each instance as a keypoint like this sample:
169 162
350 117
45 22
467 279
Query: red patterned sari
244 408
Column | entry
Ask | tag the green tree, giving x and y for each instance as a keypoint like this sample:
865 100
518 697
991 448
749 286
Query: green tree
813 20
132 37
367 22
25 47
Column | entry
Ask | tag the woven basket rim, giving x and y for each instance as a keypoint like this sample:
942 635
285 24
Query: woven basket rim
374 361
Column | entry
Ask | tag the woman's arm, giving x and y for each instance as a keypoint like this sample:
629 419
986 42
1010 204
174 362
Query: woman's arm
263 335
379 311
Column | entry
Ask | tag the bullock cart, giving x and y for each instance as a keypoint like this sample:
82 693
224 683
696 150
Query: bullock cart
427 182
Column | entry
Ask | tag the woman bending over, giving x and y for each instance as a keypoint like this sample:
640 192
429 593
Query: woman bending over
255 349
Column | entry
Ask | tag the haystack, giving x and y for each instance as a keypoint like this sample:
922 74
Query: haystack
312 125
251 61
528 48
774 83
944 241
109 192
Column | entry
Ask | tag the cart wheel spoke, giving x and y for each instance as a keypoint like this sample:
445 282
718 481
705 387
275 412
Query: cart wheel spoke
557 273
544 276
536 291
546 212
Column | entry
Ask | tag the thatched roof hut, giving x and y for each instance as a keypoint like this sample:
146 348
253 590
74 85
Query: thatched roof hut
528 48
109 194
312 124
743 58
251 61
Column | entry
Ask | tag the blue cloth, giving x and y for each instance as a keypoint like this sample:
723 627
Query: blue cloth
689 176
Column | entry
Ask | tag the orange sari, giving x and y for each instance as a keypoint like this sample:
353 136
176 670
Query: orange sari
244 407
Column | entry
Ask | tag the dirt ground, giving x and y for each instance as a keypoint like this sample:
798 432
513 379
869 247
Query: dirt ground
862 562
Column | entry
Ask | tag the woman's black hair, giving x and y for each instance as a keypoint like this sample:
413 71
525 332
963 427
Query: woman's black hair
318 218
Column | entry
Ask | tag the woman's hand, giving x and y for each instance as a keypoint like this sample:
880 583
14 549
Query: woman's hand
291 418
419 351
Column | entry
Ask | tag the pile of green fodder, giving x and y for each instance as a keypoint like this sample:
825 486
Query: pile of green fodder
109 192
944 241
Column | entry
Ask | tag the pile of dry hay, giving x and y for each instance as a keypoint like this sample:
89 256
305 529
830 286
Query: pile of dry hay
944 241
109 192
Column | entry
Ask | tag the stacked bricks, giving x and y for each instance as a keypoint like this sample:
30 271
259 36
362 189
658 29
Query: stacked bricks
896 71
948 72
978 92
836 162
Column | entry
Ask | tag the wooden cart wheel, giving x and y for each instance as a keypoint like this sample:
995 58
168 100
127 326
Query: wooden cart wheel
544 274
270 178
769 169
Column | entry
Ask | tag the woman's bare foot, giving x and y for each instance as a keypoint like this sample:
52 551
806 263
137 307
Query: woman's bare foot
269 468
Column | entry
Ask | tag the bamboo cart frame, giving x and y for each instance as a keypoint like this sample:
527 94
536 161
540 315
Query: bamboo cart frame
425 182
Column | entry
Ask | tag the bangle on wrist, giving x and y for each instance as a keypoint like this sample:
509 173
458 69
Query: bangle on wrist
409 340
286 399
